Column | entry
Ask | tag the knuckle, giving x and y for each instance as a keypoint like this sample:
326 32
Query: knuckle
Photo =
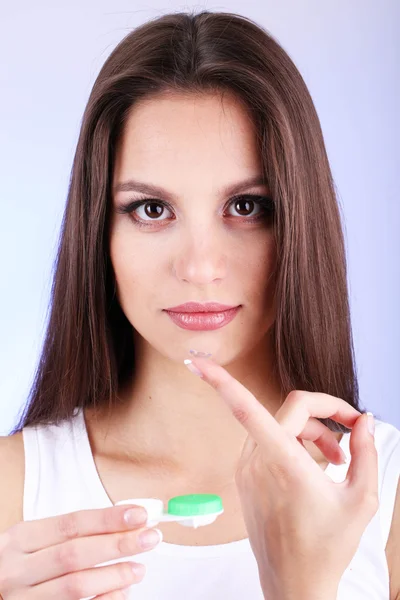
371 500
217 385
67 556
282 474
240 414
74 586
249 472
254 469
7 537
278 470
126 543
68 526
125 573
296 396
13 537
107 520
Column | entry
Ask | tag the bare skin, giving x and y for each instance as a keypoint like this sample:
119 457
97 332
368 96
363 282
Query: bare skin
143 476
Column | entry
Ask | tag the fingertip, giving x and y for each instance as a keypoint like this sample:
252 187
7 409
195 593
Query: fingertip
192 368
371 423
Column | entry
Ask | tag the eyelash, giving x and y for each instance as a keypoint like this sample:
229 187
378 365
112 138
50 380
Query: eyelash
265 202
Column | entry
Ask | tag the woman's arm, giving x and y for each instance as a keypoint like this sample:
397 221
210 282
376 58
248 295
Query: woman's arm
325 593
393 550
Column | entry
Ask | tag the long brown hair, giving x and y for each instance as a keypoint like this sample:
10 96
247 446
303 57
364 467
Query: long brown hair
88 350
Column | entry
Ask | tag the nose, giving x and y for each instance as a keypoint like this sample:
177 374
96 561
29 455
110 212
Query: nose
201 257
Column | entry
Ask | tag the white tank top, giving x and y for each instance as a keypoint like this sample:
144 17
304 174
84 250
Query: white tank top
61 477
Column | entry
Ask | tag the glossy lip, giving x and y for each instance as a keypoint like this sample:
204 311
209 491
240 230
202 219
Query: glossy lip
198 307
206 321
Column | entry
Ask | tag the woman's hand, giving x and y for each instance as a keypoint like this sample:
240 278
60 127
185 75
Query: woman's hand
51 558
304 529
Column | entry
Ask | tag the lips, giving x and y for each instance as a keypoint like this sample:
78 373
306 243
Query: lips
197 307
204 321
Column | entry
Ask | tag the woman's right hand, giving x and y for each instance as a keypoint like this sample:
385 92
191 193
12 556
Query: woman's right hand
52 558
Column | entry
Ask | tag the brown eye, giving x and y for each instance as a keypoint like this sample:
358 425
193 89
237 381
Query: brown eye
150 210
244 206
146 212
154 211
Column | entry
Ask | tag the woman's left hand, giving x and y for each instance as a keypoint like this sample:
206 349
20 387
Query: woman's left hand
304 528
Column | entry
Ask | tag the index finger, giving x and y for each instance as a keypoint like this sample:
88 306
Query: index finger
38 534
245 407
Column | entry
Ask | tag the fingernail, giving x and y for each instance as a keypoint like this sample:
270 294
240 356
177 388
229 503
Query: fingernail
371 423
150 538
344 457
192 368
139 570
135 516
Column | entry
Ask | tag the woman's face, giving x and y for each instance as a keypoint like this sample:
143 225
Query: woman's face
204 244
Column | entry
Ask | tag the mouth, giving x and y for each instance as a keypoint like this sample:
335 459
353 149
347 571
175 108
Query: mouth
200 307
203 321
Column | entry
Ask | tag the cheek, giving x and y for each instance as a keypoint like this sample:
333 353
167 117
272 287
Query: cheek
259 280
257 264
133 269
127 256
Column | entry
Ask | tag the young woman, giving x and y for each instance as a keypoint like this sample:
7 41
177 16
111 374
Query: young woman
200 176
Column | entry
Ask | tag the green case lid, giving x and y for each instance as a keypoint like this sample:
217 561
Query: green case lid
192 505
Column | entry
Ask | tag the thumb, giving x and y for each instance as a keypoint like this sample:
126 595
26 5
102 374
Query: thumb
362 475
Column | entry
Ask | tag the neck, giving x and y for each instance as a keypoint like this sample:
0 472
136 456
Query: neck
168 417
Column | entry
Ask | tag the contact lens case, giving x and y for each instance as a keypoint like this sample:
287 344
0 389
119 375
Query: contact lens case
190 510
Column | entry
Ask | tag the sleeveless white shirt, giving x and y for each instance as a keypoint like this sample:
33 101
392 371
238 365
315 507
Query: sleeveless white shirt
61 477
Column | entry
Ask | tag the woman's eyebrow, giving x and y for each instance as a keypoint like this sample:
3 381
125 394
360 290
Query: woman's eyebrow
133 185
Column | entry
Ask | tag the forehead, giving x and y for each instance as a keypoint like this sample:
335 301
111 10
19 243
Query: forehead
187 136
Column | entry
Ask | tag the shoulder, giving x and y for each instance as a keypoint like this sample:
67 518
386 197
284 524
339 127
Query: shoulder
387 436
12 474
